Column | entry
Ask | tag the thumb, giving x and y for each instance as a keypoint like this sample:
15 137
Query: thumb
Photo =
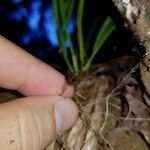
32 123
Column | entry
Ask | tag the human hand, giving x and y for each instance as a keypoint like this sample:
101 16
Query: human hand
31 123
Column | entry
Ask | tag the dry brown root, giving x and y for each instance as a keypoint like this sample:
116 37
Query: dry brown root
109 115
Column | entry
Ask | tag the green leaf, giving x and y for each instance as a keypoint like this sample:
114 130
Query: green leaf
69 7
104 33
73 54
107 28
63 12
64 51
80 32
56 11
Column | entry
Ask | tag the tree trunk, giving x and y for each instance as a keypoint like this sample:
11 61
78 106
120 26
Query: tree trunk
137 16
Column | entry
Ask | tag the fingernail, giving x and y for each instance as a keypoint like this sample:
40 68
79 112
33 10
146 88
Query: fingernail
66 114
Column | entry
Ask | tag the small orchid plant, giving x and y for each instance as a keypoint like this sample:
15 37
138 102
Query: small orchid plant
76 58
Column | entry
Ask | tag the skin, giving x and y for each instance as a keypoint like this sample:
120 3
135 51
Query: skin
32 122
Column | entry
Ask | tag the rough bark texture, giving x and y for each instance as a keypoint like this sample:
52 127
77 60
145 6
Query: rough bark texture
137 16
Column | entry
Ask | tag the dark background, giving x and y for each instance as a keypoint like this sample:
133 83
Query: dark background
30 24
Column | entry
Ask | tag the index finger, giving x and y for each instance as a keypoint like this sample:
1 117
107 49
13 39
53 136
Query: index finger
21 71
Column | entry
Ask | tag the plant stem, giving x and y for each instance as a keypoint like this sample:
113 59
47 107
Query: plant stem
59 7
80 32
64 51
73 54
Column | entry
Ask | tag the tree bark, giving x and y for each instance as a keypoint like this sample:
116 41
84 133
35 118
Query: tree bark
137 17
